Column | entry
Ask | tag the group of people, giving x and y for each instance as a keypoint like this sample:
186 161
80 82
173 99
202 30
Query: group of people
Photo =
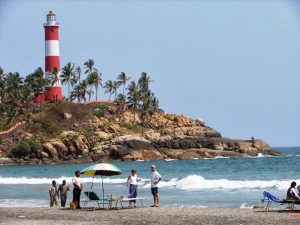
293 193
132 183
55 192
62 191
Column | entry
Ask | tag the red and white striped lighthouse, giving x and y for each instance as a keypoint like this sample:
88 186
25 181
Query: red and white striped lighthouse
52 62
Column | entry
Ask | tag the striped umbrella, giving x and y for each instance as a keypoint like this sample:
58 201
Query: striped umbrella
102 169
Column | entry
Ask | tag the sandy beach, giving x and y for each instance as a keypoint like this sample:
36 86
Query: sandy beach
147 215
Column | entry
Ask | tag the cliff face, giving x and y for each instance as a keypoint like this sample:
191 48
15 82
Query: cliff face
112 133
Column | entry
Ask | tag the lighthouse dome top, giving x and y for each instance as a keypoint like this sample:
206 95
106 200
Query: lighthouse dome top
51 19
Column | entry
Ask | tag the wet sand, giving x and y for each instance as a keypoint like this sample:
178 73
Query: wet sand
147 215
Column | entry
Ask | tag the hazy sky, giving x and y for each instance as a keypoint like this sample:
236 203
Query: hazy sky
233 63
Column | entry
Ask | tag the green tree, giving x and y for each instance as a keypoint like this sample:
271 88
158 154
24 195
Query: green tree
109 87
122 80
69 76
53 77
78 73
144 82
94 78
89 66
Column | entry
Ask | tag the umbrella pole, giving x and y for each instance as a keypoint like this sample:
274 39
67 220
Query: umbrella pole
102 192
92 183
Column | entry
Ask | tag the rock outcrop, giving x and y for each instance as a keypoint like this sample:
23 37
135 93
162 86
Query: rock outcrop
119 137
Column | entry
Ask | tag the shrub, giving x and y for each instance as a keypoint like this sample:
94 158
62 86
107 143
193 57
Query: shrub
89 132
72 137
108 124
35 145
99 110
21 150
134 128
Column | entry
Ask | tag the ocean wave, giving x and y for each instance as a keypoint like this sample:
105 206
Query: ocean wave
33 180
196 182
191 182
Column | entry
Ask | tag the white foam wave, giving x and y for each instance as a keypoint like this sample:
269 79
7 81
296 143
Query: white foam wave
32 180
170 160
194 182
221 157
259 155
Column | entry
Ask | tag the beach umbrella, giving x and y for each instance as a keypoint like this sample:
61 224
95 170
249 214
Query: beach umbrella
101 169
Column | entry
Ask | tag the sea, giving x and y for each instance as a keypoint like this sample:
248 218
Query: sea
202 183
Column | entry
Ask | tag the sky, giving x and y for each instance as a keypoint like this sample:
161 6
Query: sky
234 63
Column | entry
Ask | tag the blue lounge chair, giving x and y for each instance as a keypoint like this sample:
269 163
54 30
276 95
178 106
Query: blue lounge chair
269 198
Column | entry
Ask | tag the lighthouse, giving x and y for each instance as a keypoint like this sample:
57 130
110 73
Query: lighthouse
52 62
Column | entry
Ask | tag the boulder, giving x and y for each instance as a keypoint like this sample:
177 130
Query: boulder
152 135
5 160
61 149
152 155
67 116
48 148
103 135
44 155
118 151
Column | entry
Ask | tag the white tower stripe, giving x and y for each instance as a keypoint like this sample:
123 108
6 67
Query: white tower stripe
52 48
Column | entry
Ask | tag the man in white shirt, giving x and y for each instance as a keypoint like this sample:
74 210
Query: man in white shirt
77 189
155 178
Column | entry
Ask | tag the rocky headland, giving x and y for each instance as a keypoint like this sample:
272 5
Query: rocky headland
72 133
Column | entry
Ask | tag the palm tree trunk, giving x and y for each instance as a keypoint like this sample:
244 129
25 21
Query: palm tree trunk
68 91
96 87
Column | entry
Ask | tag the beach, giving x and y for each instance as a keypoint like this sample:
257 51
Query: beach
147 215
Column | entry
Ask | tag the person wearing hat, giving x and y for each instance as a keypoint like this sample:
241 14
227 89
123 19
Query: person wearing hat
155 178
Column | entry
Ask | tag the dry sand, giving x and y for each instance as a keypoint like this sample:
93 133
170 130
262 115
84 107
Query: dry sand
162 215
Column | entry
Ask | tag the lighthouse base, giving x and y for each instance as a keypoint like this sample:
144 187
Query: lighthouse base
54 94
51 94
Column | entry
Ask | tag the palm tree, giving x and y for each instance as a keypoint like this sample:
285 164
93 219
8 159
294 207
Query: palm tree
2 84
94 78
116 85
84 90
122 79
68 76
76 93
1 73
144 82
53 77
36 80
89 66
109 87
121 99
78 73
134 98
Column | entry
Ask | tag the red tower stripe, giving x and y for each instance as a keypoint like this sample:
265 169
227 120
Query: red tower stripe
54 91
51 62
51 33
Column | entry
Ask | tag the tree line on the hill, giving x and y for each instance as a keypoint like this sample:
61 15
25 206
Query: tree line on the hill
17 94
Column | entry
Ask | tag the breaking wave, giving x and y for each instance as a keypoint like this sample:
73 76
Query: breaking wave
191 182
194 182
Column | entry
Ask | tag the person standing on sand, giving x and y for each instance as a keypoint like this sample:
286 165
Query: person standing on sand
155 178
77 188
53 193
292 192
63 190
132 181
